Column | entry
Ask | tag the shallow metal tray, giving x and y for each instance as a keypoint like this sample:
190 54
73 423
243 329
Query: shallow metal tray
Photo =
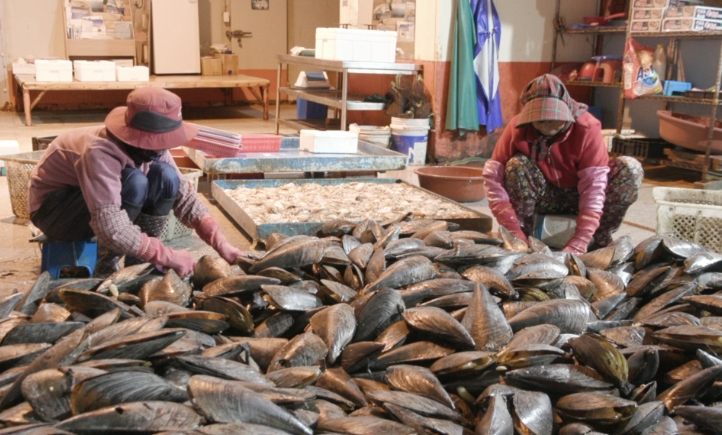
256 230
290 158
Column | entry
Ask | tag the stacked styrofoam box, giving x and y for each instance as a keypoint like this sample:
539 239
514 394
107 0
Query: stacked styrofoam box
53 70
355 44
21 67
329 142
94 71
137 73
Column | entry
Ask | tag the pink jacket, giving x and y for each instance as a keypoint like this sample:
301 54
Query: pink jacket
85 157
579 158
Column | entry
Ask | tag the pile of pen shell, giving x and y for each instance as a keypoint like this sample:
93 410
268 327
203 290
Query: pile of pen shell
395 327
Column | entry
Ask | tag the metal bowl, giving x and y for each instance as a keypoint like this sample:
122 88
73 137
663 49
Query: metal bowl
458 183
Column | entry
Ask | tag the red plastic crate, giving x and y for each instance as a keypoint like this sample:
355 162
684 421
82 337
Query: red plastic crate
213 147
260 143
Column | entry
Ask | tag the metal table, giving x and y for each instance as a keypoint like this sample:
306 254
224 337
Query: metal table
290 158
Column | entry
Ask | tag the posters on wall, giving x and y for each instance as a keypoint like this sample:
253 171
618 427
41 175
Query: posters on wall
98 19
398 15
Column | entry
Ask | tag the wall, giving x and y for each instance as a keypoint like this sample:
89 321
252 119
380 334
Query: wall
40 33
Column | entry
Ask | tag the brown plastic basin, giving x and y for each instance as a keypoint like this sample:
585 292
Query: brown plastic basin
458 183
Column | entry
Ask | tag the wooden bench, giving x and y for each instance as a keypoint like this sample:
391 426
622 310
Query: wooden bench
27 83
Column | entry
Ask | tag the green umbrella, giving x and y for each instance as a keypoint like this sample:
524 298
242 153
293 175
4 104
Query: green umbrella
461 108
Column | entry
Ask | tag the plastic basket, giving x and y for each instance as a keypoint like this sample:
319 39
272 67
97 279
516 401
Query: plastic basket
694 215
642 148
213 147
173 227
268 143
19 167
41 143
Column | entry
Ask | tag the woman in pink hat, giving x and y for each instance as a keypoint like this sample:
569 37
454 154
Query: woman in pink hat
551 159
118 182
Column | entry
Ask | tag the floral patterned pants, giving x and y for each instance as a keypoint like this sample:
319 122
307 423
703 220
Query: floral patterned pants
531 193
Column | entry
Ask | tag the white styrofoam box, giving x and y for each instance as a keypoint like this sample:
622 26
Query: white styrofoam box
122 62
356 44
355 12
132 73
94 71
53 70
23 68
329 142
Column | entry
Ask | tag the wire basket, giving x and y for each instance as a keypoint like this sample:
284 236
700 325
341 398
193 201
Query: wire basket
694 215
19 168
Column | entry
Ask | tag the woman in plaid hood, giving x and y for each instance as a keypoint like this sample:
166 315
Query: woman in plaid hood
551 159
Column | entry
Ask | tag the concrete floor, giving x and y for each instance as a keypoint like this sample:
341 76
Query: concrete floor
20 259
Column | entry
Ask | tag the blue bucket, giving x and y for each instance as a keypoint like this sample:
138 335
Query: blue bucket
411 137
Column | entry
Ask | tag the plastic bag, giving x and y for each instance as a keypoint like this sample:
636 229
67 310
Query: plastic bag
640 78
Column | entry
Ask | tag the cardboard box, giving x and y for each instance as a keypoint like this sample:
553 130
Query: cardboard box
680 3
690 24
646 26
229 63
650 3
648 14
707 13
137 73
210 66
94 71
329 142
356 44
680 12
707 25
53 70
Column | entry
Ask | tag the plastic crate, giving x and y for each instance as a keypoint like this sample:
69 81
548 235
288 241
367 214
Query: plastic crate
41 143
642 148
19 167
213 147
173 227
694 215
268 143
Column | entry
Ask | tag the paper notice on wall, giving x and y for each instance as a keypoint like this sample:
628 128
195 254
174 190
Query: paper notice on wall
93 28
405 31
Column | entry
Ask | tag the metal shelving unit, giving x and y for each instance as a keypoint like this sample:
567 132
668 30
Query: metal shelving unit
714 102
598 32
339 99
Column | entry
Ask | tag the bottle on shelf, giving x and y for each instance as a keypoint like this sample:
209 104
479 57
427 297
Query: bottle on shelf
660 62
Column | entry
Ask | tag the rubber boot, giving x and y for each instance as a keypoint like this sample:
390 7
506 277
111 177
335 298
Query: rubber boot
150 225
107 264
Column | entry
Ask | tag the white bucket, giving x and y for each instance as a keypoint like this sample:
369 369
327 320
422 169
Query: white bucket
411 137
380 136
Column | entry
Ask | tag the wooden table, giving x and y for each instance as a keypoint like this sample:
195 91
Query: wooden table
27 83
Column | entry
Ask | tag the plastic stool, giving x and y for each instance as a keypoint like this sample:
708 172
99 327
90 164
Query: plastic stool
57 255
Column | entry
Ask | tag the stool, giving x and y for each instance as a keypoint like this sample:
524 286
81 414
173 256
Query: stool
57 255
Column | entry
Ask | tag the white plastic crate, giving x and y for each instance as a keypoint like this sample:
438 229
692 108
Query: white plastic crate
94 71
132 73
53 70
694 215
356 44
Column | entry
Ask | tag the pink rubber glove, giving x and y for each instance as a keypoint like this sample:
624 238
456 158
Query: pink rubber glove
506 216
587 224
180 261
210 232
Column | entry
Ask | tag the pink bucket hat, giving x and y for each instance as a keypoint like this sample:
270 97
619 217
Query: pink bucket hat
150 120
546 99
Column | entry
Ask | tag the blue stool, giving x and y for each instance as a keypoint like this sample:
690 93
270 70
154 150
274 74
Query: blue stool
57 255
